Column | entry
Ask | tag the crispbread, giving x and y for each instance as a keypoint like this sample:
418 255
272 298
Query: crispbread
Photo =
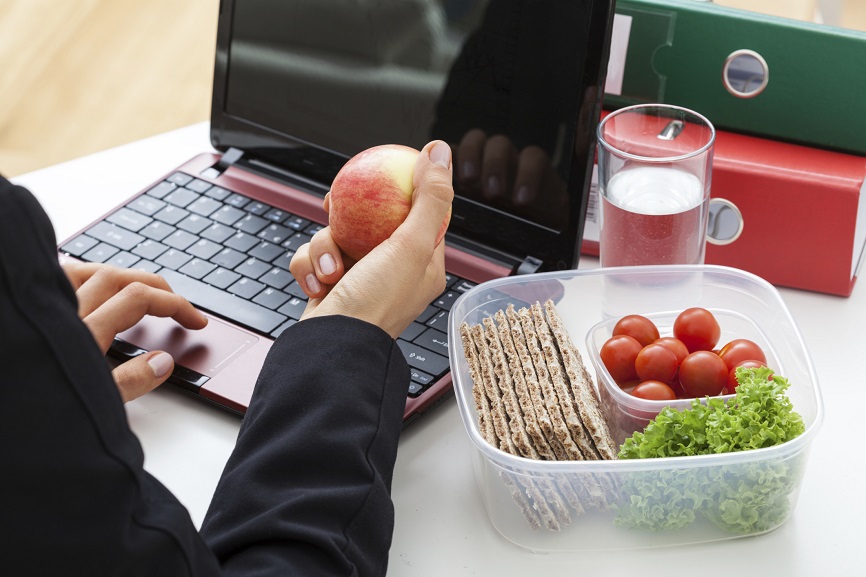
516 425
558 379
535 399
551 401
488 378
521 390
585 396
532 386
482 404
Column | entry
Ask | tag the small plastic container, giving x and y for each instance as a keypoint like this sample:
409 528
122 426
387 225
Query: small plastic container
644 502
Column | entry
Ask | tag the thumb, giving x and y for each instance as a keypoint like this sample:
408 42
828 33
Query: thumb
434 192
142 374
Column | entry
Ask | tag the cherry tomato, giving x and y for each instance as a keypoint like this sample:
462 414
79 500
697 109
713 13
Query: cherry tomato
676 346
641 328
618 355
698 329
732 375
654 391
703 373
741 350
656 363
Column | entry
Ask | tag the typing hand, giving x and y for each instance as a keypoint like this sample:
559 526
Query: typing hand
111 300
392 284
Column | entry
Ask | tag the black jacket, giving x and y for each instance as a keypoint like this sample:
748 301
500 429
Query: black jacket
305 492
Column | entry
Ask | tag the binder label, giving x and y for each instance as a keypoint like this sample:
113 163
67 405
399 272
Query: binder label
618 51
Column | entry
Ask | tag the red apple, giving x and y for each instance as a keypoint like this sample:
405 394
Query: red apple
371 196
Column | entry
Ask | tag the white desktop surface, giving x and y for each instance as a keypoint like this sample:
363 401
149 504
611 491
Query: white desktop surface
441 526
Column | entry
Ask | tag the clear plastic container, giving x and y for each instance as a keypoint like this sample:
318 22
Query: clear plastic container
645 502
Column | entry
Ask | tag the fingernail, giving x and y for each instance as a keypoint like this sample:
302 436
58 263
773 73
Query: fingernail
312 283
160 364
493 185
441 154
327 264
523 195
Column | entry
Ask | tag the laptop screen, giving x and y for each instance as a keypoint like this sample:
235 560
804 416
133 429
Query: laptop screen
512 85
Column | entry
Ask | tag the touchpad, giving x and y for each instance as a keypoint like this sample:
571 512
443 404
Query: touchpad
206 351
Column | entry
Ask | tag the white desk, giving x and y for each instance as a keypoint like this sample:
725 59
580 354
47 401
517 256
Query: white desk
441 527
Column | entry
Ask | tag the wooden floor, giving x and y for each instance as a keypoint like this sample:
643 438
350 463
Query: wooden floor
79 76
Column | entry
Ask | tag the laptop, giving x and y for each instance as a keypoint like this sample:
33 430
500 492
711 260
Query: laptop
300 86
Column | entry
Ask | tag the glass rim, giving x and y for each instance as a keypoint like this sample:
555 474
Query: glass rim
655 159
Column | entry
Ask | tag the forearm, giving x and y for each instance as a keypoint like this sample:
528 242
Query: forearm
307 489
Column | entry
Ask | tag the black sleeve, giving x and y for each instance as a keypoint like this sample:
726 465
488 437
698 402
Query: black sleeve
307 489
75 497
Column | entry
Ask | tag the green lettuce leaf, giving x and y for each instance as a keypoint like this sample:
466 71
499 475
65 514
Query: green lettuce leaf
747 498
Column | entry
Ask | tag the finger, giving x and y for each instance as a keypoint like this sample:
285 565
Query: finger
304 271
142 374
132 303
431 201
326 258
106 281
532 164
78 272
469 155
499 154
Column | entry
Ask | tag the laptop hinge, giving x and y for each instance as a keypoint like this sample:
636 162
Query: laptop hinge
529 265
228 158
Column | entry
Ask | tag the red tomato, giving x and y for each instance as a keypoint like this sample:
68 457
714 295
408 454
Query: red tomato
654 391
732 375
698 329
656 363
641 328
618 355
739 350
703 373
675 345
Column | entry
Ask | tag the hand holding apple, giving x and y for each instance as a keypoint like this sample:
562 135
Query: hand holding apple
391 285
371 196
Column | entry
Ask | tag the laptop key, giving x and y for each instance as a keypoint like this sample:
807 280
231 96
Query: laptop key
266 251
218 232
415 389
79 245
204 248
161 189
123 259
129 219
179 178
246 288
294 308
181 197
173 259
157 230
226 305
257 208
171 214
150 249
194 223
227 215
271 298
115 235
146 205
251 224
434 340
423 359
222 278
198 185
277 278
283 327
420 377
100 253
229 258
197 268
253 268
180 239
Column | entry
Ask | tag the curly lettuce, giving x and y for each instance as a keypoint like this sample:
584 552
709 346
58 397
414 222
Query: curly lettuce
745 498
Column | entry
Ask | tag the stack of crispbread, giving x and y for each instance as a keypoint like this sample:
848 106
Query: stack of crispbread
535 399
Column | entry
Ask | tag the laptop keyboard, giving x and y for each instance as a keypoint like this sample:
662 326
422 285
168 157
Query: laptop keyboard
229 255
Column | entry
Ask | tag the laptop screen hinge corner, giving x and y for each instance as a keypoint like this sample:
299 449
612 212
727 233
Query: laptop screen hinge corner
529 265
228 158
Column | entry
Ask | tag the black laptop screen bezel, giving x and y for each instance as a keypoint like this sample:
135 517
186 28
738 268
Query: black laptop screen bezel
474 226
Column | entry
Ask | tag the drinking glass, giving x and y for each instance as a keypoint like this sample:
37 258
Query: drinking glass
654 176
